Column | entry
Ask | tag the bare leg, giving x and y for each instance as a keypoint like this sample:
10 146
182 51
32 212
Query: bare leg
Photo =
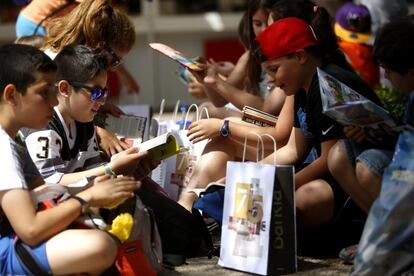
343 172
369 181
81 251
314 204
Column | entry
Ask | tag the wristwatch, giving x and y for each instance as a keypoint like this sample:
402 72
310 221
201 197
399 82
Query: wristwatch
225 130
84 204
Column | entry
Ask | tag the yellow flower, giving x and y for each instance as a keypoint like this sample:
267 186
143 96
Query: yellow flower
122 226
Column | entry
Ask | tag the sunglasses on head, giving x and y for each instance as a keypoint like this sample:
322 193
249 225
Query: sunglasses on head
97 92
115 59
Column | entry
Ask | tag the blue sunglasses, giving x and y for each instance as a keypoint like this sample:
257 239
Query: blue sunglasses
115 59
97 92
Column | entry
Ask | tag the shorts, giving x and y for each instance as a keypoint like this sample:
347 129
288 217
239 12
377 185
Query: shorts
26 27
376 160
9 262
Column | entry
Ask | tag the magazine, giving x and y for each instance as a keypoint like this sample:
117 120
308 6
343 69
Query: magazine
177 56
348 107
127 126
258 117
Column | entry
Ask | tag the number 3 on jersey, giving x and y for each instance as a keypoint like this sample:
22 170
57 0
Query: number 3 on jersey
45 141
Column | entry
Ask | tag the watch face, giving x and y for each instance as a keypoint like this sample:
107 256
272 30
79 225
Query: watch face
224 132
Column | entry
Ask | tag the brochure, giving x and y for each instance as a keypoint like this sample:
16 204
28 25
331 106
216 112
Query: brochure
177 56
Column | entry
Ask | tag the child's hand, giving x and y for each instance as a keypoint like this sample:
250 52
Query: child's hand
109 143
355 134
222 67
111 109
127 161
145 167
204 129
107 191
196 90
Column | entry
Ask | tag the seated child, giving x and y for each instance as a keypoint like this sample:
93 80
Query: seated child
66 151
27 78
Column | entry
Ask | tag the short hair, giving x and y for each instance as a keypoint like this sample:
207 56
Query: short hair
19 63
394 45
32 40
80 63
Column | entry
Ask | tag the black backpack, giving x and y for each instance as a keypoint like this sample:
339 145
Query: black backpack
183 234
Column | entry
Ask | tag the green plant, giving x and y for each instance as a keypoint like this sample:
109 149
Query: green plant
393 100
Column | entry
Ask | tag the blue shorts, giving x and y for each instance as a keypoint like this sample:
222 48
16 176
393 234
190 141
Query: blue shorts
9 262
376 160
25 27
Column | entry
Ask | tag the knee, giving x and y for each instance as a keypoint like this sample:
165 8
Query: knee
105 249
337 159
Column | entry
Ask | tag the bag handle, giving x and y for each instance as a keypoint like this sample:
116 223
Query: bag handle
259 140
201 113
162 105
274 146
188 112
177 105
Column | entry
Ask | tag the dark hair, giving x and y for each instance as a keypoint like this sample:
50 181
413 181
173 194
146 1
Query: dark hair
32 40
80 63
19 63
243 31
320 21
254 70
394 44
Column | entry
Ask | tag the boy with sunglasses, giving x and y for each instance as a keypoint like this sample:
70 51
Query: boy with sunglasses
67 151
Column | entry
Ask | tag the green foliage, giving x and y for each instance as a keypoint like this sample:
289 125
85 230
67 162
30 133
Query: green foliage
393 100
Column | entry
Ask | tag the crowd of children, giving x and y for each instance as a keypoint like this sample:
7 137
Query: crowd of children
49 98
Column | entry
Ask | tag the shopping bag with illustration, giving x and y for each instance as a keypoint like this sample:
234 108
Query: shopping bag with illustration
387 243
258 230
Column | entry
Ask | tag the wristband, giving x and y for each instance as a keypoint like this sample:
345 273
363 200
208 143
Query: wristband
108 170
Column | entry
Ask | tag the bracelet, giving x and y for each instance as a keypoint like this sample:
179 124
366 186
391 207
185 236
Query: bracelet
108 170
83 203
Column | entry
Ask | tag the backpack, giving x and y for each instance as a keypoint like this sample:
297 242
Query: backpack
183 234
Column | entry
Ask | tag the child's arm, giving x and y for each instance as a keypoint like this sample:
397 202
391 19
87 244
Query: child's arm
318 168
34 227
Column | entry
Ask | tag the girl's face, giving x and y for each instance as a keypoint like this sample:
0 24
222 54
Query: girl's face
259 21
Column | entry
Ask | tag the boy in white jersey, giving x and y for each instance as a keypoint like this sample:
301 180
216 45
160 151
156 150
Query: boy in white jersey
27 97
67 150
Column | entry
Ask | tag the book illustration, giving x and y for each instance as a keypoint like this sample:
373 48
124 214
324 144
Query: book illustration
177 56
348 107
127 126
161 147
258 117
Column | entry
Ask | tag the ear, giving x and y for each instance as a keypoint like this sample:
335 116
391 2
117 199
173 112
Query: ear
10 94
302 56
64 88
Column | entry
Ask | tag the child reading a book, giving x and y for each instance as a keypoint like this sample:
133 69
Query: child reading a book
27 78
292 64
360 172
67 150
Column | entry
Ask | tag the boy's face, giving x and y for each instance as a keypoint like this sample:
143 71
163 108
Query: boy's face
403 82
81 105
286 73
35 107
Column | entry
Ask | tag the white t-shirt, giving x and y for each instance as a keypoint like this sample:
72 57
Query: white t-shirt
16 167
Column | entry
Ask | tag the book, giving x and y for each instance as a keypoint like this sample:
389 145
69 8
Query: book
258 117
127 126
161 147
177 56
348 107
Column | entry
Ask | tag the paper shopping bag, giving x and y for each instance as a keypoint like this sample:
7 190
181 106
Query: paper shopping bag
259 227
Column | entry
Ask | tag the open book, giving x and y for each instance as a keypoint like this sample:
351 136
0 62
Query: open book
258 117
177 56
161 147
128 126
348 107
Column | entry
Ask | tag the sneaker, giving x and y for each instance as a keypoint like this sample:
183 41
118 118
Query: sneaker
347 254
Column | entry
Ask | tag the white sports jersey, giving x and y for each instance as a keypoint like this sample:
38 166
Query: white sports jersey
58 150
